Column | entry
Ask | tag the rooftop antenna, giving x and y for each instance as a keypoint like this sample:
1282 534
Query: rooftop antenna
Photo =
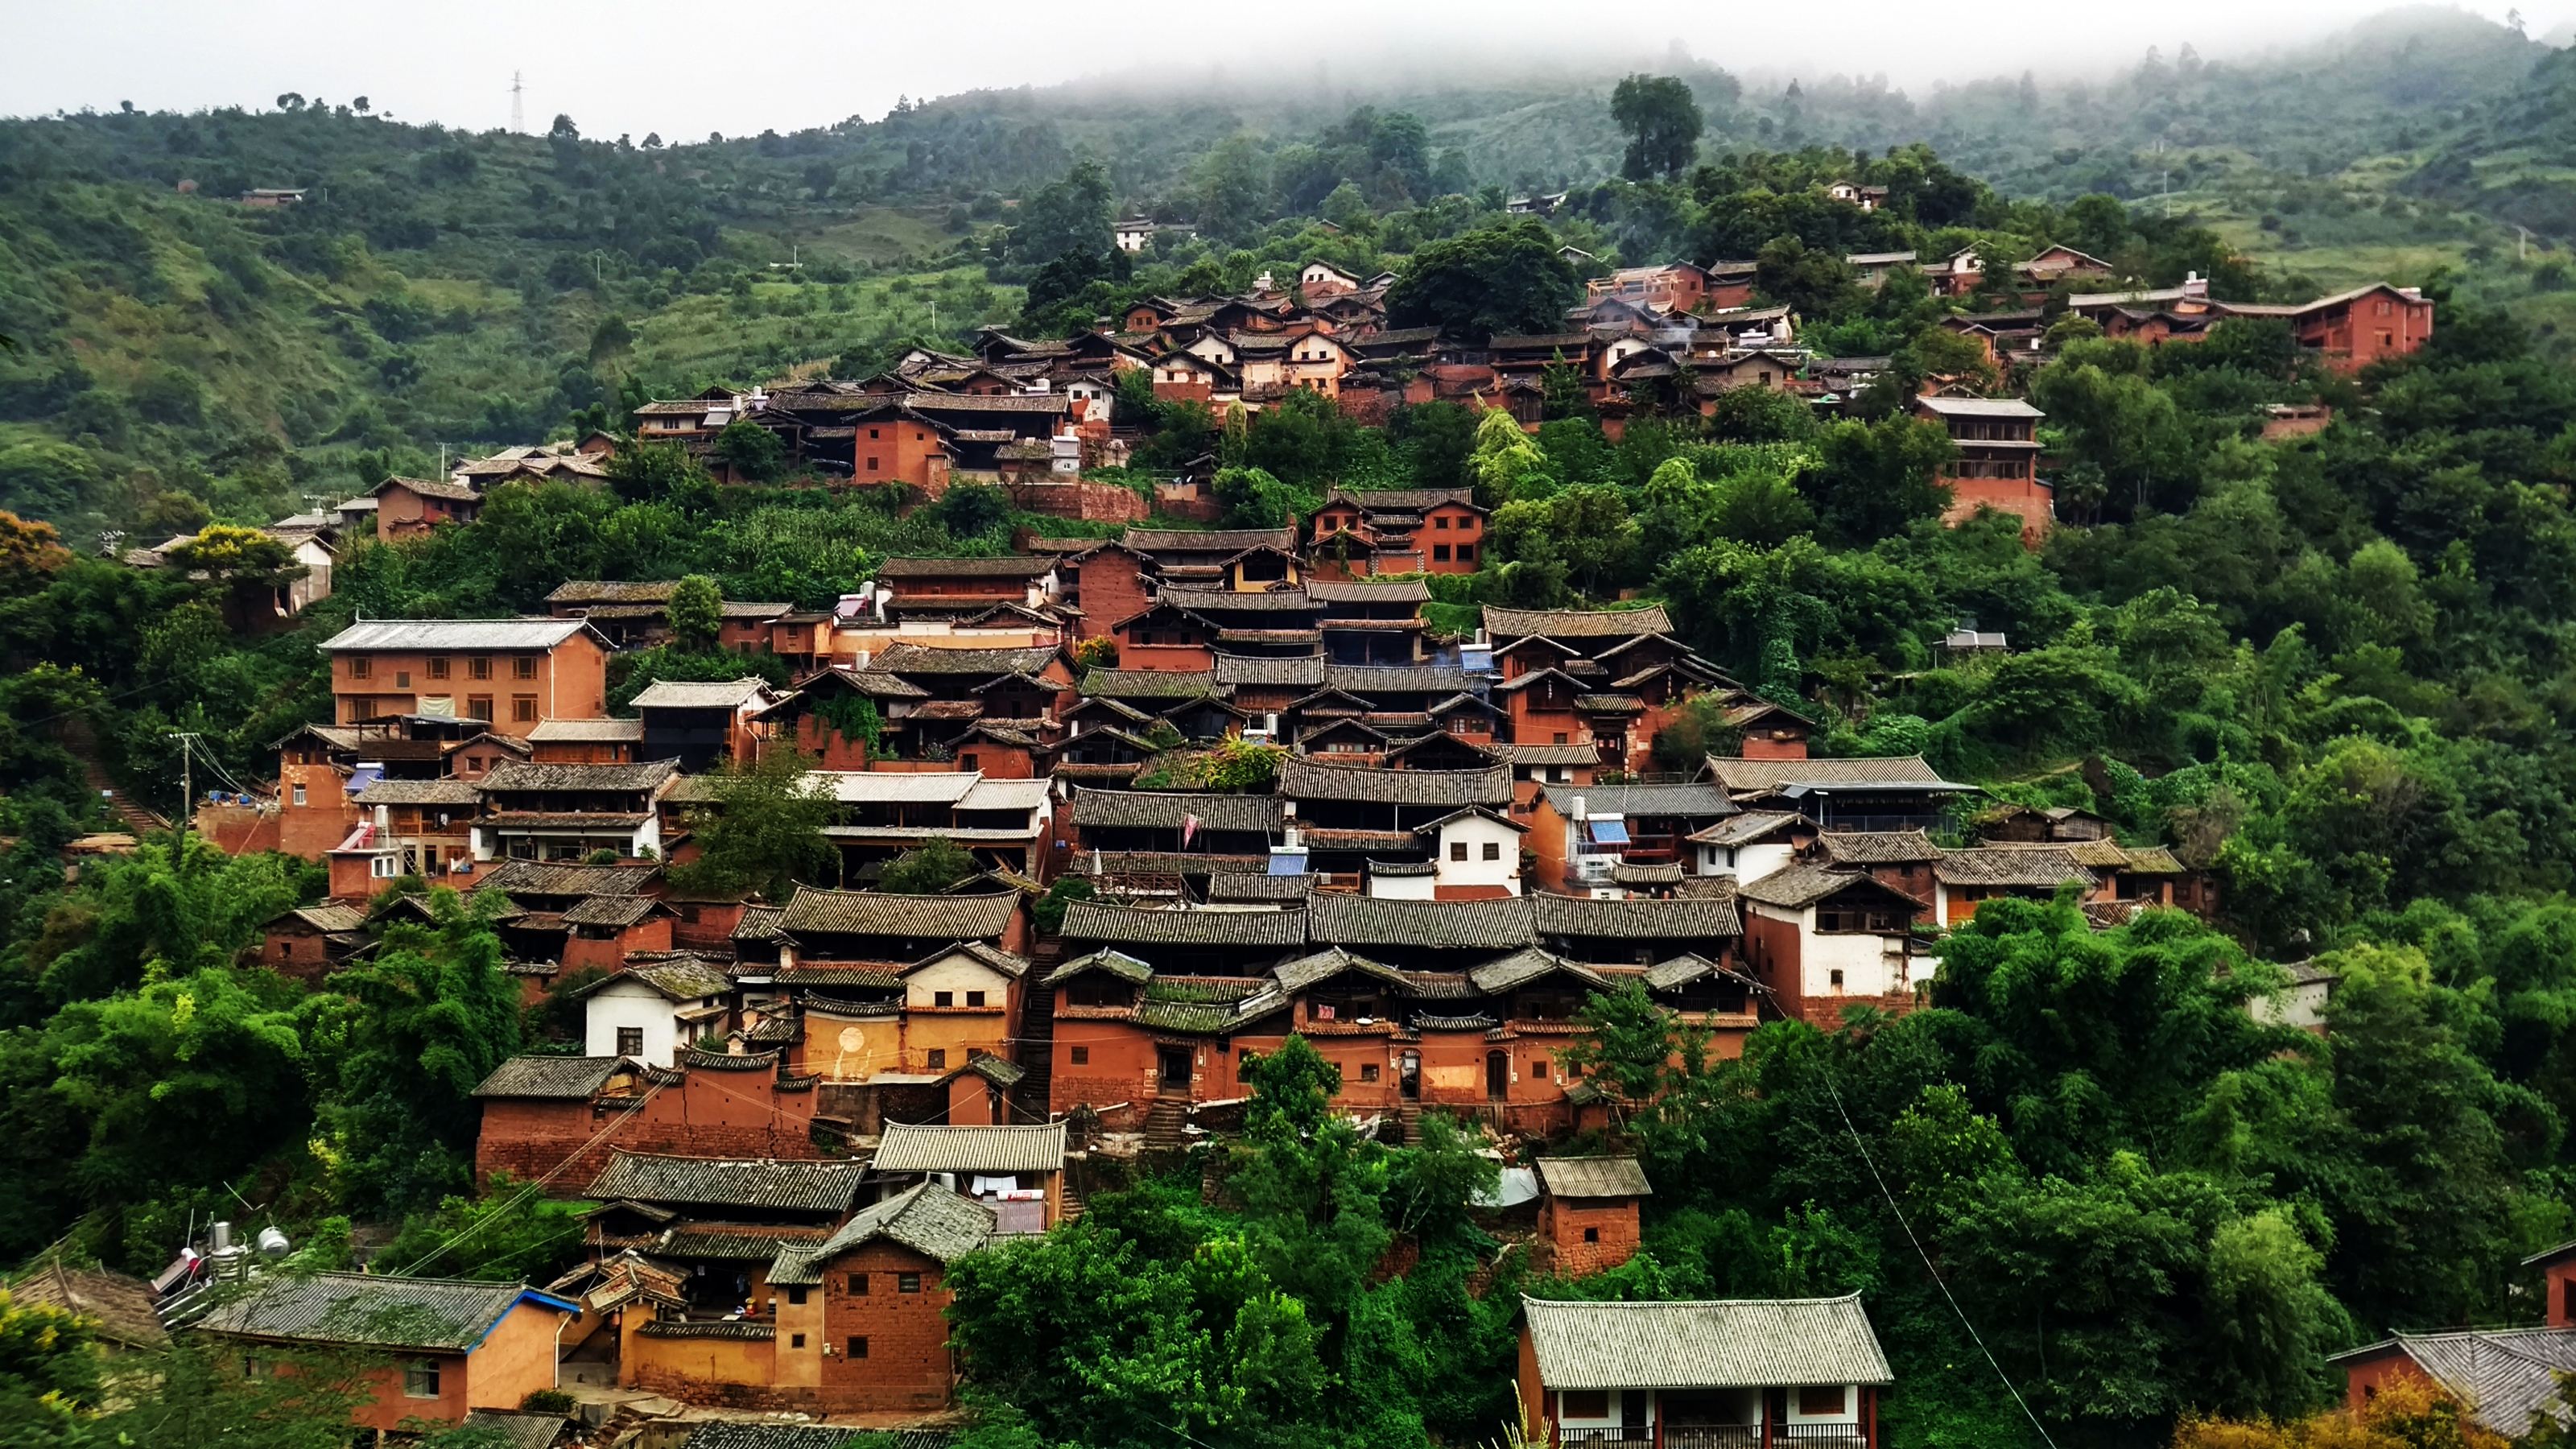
518 106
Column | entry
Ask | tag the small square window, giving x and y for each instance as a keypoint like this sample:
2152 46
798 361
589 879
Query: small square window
1837 978
938 1063
858 1348
1439 553
523 708
974 998
872 467
943 998
795 1340
630 1041
1457 850
858 1285
1538 1071
360 666
524 667
907 1282
1592 1235
796 1294
438 669
1082 1056
1466 553
479 667
299 794
402 679
1493 850
1368 1071
421 1379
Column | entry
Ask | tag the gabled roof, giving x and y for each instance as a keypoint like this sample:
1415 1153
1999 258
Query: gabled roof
587 731
1730 1343
712 1182
982 1151
1113 963
1612 1177
1160 810
816 910
1747 827
1009 566
1877 847
686 979
511 775
119 1305
378 1310
1355 920
1502 623
568 1079
1694 917
690 694
2039 866
458 634
1631 802
1132 925
1761 776
1527 965
929 1219
922 659
2504 1376
1150 684
1796 887
1303 778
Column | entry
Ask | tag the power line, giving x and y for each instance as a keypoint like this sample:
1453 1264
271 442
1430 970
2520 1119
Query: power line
521 1195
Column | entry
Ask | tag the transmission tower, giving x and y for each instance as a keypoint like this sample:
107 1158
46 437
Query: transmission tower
518 106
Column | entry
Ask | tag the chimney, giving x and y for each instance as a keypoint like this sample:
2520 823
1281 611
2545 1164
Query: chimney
2195 285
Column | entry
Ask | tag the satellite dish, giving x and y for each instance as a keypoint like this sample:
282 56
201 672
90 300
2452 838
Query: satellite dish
272 1244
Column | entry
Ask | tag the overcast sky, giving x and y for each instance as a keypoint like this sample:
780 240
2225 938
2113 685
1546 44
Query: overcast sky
685 69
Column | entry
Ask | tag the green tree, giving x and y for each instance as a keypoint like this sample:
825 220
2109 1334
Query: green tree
1502 278
934 866
760 828
753 452
1662 119
696 612
1070 217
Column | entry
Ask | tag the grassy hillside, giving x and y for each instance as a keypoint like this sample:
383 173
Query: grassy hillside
180 354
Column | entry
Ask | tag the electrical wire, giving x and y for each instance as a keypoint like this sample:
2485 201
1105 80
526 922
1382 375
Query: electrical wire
538 1185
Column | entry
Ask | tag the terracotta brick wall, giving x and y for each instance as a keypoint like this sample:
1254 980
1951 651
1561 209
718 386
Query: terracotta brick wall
1562 1223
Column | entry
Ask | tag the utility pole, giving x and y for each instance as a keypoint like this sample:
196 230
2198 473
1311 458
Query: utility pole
187 787
518 107
2522 243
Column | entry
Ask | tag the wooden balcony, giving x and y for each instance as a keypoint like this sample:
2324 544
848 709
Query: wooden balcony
1719 1436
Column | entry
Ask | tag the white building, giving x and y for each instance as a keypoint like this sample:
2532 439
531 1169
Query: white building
652 1013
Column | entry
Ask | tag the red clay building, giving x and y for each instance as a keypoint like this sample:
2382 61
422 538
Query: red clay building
1997 465
1588 1211
510 673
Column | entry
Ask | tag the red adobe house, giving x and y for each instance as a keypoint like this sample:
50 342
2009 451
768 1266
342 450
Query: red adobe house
453 1346
542 1113
862 1318
1167 637
2503 1377
511 673
1725 1373
1997 465
1588 1211
1674 286
2357 328
409 507
1108 582
1433 530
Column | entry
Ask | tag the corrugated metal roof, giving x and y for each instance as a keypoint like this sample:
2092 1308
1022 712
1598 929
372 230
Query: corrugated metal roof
455 634
1714 1344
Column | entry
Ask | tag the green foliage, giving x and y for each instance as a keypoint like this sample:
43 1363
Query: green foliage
696 612
1502 278
934 866
1662 119
753 452
760 828
508 1234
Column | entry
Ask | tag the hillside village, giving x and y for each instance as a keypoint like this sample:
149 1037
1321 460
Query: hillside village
1260 862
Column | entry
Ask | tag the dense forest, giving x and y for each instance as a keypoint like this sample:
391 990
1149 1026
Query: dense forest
2334 670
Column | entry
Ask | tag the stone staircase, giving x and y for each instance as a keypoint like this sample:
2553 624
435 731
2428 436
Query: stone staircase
1164 1122
75 736
1408 1116
1034 1049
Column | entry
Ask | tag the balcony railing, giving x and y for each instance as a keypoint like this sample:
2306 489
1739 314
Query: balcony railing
1718 1436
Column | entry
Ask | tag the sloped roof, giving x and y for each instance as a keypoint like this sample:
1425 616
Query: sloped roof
1877 847
1006 567
1115 963
929 1219
1502 623
1362 591
1356 920
692 694
1162 810
374 1309
1711 1344
1593 1177
512 775
989 1151
587 731
688 979
119 1305
1526 965
550 1078
1798 886
1150 683
1651 920
1745 828
1134 925
515 1430
2505 1376
557 878
1640 801
455 634
799 1186
1748 776
875 913
1226 541
1304 778
418 792
1297 671
2034 865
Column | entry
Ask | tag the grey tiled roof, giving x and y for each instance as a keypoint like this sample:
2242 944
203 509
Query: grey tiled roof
1239 886
617 912
378 1310
1691 916
1115 963
1877 847
515 1430
1742 776
928 1219
684 980
1527 965
875 913
989 1151
1298 671
1502 623
1637 801
419 792
746 1434
552 878
552 1078
1159 810
805 1187
1131 925
512 775
1732 1343
921 659
1150 684
1744 828
2030 865
1593 1177
1354 920
693 694
2505 1376
1303 778
1795 887
587 731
